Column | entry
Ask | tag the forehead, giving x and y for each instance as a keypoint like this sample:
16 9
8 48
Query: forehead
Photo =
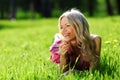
64 20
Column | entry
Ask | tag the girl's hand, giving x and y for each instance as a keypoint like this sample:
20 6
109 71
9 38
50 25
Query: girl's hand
63 48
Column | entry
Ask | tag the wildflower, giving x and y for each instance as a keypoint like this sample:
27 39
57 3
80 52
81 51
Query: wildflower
105 49
107 42
114 46
115 41
5 50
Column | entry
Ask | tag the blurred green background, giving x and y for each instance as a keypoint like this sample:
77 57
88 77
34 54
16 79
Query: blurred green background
34 9
27 28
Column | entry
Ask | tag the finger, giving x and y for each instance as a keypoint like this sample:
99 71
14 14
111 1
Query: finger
63 50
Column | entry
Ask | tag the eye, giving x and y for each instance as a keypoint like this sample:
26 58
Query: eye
61 27
68 25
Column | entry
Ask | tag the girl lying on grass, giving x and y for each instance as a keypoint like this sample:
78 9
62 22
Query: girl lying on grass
74 48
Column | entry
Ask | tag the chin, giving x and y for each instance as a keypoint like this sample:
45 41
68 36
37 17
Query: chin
67 40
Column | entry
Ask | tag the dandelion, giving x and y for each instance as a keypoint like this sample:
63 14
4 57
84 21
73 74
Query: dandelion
115 41
114 46
107 42
5 50
105 49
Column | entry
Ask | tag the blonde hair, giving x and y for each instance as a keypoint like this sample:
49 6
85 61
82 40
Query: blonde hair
81 26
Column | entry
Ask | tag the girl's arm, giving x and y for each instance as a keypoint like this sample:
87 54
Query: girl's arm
63 49
54 48
63 63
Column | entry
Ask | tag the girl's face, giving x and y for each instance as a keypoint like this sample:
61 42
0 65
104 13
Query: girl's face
67 30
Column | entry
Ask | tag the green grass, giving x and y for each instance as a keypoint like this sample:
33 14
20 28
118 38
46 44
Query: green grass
24 50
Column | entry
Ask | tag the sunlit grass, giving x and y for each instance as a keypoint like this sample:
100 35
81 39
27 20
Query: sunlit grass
24 50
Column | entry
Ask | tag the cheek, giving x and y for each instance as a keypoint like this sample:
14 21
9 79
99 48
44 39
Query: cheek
72 31
73 34
61 32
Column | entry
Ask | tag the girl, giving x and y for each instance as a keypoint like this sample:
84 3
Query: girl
74 47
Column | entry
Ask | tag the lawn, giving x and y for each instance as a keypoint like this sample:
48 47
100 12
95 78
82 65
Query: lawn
24 50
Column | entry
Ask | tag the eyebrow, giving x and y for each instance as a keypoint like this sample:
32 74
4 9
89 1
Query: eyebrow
67 24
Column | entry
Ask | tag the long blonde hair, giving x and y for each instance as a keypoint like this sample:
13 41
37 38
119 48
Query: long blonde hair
81 26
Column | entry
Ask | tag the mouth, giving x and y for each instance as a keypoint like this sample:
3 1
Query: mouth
66 35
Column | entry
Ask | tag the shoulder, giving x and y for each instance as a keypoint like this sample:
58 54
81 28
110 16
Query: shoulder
97 43
95 37
97 48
